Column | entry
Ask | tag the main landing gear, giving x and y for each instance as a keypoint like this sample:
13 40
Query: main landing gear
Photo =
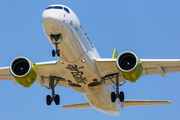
54 97
56 37
118 94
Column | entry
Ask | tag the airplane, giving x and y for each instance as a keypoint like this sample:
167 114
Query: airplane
80 67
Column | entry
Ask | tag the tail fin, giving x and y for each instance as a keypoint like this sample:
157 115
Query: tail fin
115 54
130 103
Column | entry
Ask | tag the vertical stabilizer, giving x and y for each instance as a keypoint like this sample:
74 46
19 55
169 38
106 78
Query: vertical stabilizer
115 54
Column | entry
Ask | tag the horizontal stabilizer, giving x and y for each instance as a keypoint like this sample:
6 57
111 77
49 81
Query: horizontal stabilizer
130 103
82 105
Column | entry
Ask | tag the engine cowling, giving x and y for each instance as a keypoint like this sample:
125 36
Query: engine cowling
23 71
129 66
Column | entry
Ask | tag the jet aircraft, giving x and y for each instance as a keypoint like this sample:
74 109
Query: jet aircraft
80 67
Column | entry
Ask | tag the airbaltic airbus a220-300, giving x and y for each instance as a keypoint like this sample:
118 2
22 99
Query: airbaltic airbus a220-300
79 66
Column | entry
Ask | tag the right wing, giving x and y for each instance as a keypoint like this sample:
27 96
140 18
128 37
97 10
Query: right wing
44 70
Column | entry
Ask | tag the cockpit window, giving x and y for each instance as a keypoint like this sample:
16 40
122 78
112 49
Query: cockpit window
58 7
49 8
66 10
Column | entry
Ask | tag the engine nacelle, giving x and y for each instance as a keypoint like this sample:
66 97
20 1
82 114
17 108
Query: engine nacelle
23 71
129 65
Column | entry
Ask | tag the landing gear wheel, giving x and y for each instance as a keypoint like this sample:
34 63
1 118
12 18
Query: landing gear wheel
121 96
116 94
56 42
48 100
52 85
53 53
113 96
57 99
58 53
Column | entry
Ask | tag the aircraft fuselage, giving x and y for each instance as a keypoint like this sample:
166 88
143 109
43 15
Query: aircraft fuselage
76 58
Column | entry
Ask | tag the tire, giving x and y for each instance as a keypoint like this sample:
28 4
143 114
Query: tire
48 100
113 96
53 53
57 99
58 53
121 97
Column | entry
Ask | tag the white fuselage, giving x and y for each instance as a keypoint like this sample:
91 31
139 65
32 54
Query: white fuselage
76 58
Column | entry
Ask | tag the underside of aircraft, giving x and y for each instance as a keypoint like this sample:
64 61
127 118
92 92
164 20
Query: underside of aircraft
80 67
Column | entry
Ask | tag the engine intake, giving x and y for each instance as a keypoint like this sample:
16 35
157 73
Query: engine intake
127 62
20 67
129 65
23 71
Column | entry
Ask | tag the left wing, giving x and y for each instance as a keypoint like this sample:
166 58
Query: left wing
150 66
44 70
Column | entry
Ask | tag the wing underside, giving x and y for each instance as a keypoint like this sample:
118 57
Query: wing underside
105 67
150 66
44 70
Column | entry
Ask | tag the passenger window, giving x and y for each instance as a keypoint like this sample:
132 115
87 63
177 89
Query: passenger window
58 7
66 10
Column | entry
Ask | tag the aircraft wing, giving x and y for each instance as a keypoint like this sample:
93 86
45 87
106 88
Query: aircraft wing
44 70
150 66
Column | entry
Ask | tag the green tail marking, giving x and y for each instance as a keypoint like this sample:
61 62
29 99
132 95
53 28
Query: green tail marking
115 54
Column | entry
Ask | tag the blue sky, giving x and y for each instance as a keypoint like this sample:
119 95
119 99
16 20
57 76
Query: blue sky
151 29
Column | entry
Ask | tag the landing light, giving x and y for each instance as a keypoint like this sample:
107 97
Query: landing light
83 61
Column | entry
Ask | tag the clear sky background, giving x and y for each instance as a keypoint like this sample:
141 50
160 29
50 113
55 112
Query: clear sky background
149 28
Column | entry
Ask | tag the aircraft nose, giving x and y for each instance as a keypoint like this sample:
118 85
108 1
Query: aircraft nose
57 15
52 20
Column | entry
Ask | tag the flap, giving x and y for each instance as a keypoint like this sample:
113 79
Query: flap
160 66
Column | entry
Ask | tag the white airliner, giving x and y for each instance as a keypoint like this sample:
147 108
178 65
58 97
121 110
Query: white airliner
79 66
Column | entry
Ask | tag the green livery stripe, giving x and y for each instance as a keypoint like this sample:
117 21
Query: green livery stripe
61 38
115 54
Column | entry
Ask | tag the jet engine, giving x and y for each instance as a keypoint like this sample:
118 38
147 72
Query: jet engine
129 66
23 71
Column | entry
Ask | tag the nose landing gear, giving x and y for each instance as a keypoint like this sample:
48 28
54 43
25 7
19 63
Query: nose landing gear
56 38
55 52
